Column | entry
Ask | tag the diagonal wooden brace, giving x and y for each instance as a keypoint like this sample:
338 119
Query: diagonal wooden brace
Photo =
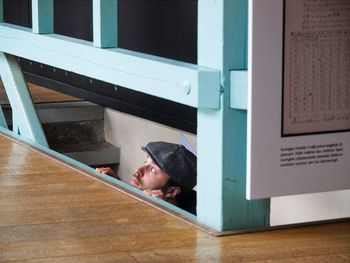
25 120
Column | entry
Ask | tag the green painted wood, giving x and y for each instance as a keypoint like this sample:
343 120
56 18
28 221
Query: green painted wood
222 133
177 81
25 120
3 122
2 117
42 16
1 11
239 89
105 23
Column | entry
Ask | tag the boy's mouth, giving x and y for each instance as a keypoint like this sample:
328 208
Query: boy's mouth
135 182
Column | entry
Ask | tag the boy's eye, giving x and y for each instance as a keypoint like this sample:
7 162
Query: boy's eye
153 170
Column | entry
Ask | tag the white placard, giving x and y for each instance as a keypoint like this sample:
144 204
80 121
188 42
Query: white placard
298 97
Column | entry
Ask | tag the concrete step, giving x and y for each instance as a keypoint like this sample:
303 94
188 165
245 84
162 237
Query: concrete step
75 129
93 154
62 112
74 132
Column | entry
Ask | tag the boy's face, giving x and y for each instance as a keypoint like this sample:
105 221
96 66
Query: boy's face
149 176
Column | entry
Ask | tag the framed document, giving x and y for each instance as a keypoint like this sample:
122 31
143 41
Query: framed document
298 97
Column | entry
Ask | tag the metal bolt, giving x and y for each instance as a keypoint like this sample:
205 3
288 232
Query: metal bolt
186 87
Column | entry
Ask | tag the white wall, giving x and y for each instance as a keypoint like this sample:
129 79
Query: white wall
130 133
310 207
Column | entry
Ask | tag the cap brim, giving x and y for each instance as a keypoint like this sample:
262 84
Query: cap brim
151 155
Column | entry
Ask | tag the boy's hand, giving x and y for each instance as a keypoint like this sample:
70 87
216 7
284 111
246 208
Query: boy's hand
107 170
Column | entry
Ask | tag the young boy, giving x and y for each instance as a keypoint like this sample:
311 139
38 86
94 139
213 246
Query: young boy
169 173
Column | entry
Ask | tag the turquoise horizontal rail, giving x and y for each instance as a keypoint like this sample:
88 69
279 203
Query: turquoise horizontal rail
182 82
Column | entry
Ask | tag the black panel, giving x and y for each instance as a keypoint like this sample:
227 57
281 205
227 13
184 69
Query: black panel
73 18
108 95
18 12
167 28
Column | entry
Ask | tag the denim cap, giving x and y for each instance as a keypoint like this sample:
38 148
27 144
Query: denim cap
174 159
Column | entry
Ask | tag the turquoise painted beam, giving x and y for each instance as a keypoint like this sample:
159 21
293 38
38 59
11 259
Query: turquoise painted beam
1 11
210 129
185 83
239 89
221 135
3 122
42 16
105 23
25 120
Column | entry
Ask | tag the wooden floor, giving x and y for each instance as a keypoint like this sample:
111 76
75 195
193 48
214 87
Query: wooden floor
39 95
52 213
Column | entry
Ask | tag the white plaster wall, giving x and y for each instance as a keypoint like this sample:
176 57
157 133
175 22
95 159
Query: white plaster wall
310 207
130 133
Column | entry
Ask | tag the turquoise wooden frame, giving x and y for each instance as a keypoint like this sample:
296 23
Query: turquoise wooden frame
221 135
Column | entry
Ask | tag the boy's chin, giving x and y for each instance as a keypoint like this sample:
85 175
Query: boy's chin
135 183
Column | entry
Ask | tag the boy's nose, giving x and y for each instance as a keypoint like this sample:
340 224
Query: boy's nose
138 171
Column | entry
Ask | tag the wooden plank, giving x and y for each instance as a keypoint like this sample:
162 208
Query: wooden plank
252 253
39 95
50 189
69 214
42 16
292 244
36 203
99 244
83 229
310 259
182 82
105 27
106 258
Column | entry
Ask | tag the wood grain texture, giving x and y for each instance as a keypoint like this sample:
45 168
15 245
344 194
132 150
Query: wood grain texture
39 95
52 213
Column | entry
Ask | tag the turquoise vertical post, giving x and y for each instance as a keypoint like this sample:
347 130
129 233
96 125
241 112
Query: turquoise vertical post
25 120
2 117
222 44
42 16
105 23
1 11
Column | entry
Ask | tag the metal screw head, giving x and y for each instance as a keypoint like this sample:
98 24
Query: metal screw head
186 87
